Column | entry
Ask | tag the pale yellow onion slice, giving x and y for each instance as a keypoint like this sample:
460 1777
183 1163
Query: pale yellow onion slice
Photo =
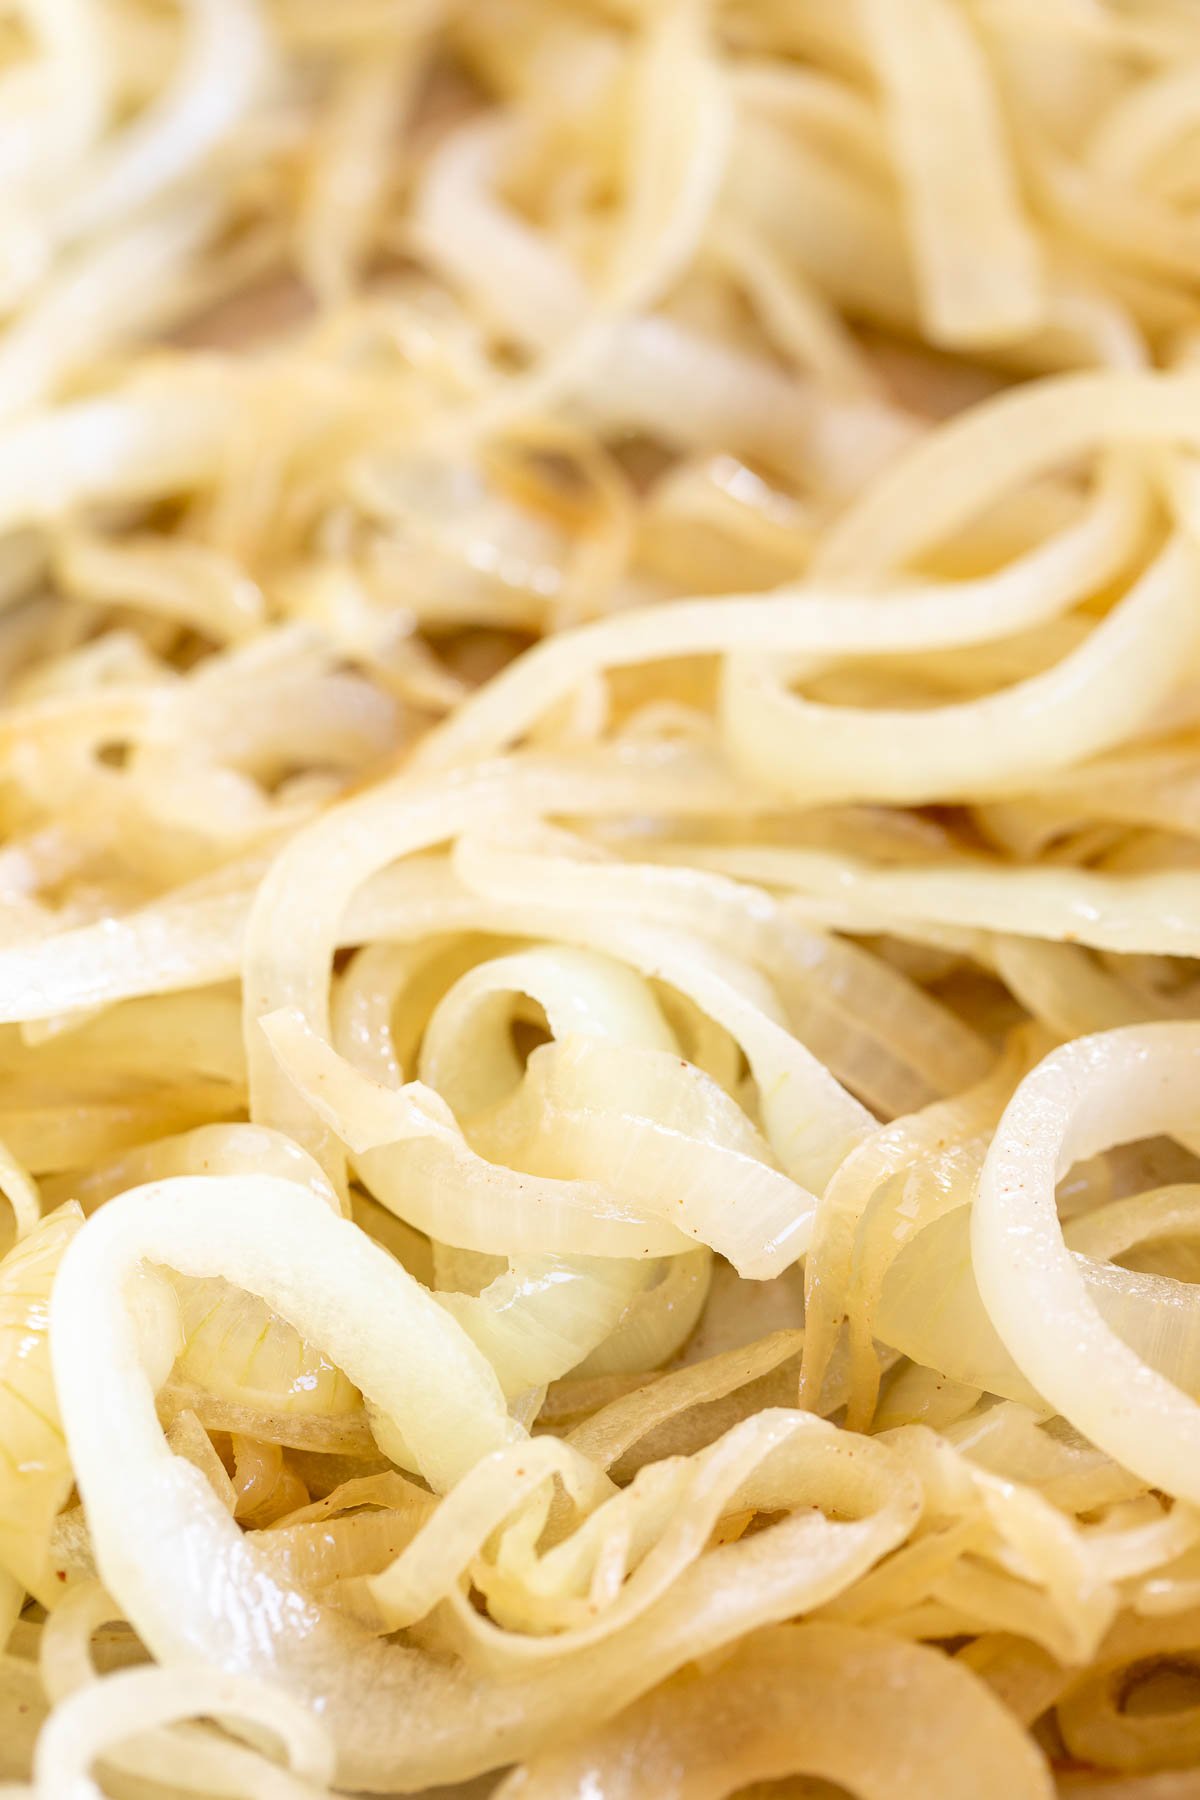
650 373
657 1321
495 1490
1013 437
1097 1092
442 1186
35 1469
419 1369
881 1157
134 1701
208 1150
853 1707
1098 695
1127 913
1026 1536
1167 1784
1139 126
1111 1230
1099 1719
634 1545
615 1428
1042 1450
367 997
661 1132
187 1437
615 1200
916 1395
185 580
181 942
897 1211
22 1714
346 183
333 857
976 257
809 622
238 1350
678 123
20 1190
1073 993
344 1434
1146 234
195 1761
1149 1541
543 1316
57 85
205 1026
809 1119
466 1053
234 1347
831 990
799 320
1099 1726
397 1715
774 1460
900 1207
900 1586
1155 1317
147 441
828 209
198 107
12 1600
317 1555
49 1135
119 289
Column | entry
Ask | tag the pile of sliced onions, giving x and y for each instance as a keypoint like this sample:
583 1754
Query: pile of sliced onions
599 899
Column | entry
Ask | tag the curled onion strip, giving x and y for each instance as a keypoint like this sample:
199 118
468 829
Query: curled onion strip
823 1699
1085 1097
101 1715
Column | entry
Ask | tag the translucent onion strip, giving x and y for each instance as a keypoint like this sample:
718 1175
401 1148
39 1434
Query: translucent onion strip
976 258
103 1715
1008 439
396 1714
1090 1095
852 1707
812 623
35 1470
1150 913
1097 696
206 1226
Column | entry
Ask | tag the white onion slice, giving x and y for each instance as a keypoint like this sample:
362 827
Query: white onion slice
340 1291
124 1705
1097 696
852 1707
814 622
1092 1094
198 1592
976 256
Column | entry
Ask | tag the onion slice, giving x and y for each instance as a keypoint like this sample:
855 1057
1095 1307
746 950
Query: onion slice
853 1707
1096 1092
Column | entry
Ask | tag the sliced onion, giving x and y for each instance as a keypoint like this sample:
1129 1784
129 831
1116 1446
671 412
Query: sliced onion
849 1706
1096 697
208 1604
810 624
35 1469
976 256
201 1226
1096 1092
